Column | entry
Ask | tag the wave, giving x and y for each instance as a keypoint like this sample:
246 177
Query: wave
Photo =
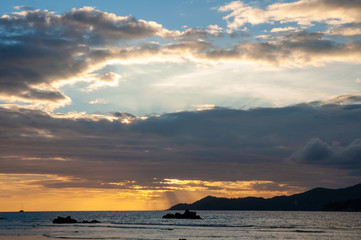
74 237
185 225
308 231
280 226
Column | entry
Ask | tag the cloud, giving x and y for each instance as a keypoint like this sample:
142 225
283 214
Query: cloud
347 30
101 80
192 47
96 26
125 118
24 8
242 13
303 12
321 153
123 115
212 144
98 101
41 50
349 99
295 49
285 29
44 95
315 150
203 33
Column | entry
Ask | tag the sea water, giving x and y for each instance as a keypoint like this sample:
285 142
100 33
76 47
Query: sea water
214 225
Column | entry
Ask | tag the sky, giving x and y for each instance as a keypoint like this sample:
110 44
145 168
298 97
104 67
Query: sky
140 105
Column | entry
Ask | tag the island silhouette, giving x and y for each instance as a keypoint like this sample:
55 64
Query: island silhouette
317 199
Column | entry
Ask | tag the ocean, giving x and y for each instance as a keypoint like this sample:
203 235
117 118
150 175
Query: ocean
150 225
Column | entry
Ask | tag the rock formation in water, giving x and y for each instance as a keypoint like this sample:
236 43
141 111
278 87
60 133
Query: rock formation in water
186 215
68 219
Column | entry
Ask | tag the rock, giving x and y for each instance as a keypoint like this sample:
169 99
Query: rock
186 215
68 219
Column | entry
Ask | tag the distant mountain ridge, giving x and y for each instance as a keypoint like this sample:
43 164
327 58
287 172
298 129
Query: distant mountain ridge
312 200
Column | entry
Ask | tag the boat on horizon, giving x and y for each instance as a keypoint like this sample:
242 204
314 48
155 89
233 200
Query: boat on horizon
22 208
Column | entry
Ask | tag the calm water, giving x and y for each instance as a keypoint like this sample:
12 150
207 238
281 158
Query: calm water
214 225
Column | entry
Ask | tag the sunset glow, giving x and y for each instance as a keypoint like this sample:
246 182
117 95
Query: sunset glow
29 191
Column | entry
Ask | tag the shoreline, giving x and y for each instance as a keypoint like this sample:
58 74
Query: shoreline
24 237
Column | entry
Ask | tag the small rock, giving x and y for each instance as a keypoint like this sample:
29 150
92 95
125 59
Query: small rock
67 219
186 215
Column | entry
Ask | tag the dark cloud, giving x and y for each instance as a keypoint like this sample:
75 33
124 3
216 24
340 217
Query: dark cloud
321 153
219 144
123 115
315 151
43 95
271 187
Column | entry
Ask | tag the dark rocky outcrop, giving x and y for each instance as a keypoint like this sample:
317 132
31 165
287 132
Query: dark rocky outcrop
186 215
312 200
68 219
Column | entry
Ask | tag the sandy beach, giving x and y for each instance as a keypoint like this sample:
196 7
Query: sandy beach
22 237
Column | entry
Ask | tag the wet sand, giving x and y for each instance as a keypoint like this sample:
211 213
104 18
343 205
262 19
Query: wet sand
33 237
38 237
